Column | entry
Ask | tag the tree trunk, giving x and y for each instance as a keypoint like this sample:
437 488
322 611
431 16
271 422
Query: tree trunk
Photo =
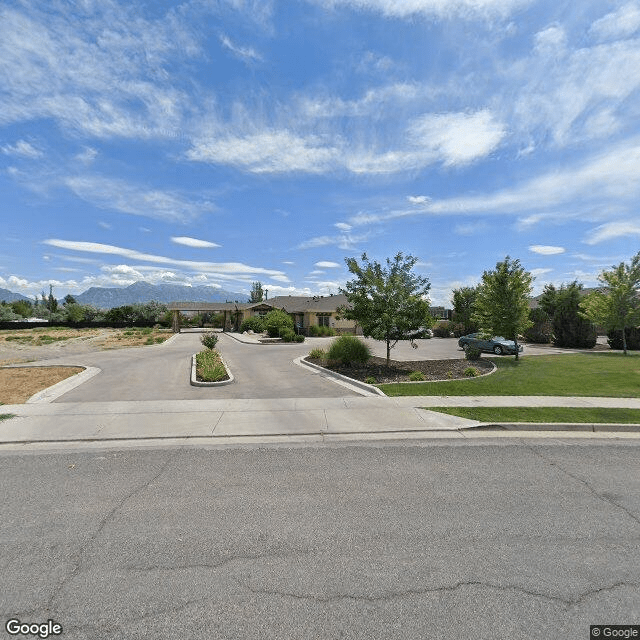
515 339
624 341
388 351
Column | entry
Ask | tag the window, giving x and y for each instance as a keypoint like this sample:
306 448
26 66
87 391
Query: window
323 319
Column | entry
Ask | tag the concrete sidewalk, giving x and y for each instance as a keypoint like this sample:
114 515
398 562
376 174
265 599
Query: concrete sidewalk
259 418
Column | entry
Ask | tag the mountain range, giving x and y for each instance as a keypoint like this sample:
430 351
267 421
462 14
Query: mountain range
138 292
9 296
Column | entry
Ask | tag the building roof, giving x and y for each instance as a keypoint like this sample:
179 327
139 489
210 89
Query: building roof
291 304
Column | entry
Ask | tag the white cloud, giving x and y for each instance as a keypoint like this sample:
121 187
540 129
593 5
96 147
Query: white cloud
104 225
459 138
193 242
540 272
619 24
346 241
343 226
429 8
612 230
233 268
613 174
470 228
23 149
87 155
269 151
546 250
323 264
119 195
245 53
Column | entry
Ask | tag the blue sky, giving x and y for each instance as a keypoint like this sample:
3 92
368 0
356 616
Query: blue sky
226 141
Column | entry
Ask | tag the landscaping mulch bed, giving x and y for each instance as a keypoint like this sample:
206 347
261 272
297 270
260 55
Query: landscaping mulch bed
399 371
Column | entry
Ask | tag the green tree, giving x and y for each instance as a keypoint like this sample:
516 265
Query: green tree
570 329
257 294
74 313
619 306
463 307
276 322
502 302
52 303
69 299
22 308
387 302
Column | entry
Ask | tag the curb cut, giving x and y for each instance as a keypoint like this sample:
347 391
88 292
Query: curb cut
365 389
197 383
55 391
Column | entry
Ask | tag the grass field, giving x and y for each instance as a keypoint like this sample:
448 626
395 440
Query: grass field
593 415
598 374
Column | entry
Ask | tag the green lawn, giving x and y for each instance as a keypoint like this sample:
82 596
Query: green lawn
543 414
597 374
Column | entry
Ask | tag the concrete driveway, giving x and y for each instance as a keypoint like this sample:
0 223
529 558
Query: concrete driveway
162 372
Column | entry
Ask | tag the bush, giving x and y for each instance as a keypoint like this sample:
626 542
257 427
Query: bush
472 353
471 372
442 330
277 321
320 331
370 380
209 340
416 376
317 354
254 323
287 335
299 338
348 349
614 338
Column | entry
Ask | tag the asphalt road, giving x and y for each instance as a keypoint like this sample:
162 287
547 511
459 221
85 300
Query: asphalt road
482 541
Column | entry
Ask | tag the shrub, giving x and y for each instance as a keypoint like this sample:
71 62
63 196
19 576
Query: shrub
149 341
370 380
471 372
320 331
276 321
472 353
317 354
287 335
540 332
209 340
416 376
299 338
348 349
442 330
614 338
254 323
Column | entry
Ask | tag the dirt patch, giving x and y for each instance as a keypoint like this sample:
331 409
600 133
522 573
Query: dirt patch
400 371
18 384
43 343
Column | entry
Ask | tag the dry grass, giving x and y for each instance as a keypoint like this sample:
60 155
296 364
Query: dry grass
18 384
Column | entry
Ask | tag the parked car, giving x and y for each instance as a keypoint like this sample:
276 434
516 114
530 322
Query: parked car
497 344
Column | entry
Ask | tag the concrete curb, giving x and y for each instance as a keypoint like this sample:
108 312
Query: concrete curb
563 426
197 383
368 389
55 391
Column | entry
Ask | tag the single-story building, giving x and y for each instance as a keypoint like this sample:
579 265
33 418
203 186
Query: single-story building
305 311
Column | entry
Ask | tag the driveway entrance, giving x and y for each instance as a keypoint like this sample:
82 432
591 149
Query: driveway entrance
162 373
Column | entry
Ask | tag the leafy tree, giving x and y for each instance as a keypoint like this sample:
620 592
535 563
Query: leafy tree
52 303
388 302
7 313
74 313
619 307
569 328
276 322
69 299
502 302
548 300
257 294
463 307
22 308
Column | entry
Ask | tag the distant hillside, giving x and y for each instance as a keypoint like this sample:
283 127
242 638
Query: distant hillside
106 298
9 296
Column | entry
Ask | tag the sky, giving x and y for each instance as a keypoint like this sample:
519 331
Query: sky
222 142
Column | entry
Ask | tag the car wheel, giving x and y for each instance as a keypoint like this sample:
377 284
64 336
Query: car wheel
497 350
